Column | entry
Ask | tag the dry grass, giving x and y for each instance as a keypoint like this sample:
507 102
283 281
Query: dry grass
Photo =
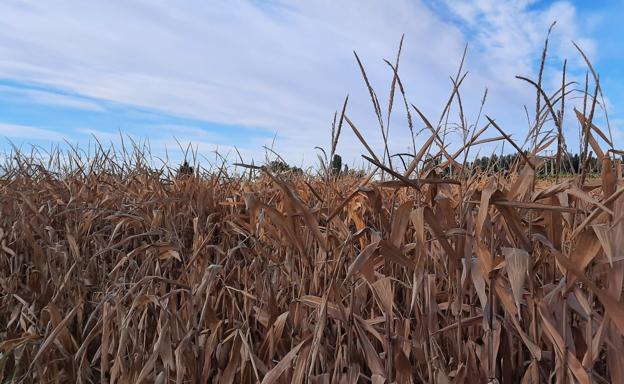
113 272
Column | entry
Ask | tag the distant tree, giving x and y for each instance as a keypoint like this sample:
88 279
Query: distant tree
279 166
358 173
336 165
185 169
576 163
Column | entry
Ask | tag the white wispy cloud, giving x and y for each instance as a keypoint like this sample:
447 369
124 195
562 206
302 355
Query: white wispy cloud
511 33
37 96
59 100
282 67
18 131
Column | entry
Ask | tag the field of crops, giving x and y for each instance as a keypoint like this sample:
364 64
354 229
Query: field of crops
114 271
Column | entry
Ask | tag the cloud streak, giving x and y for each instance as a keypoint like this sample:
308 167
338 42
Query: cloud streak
280 67
16 131
43 97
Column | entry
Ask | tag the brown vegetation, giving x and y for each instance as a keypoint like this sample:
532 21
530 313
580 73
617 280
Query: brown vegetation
113 272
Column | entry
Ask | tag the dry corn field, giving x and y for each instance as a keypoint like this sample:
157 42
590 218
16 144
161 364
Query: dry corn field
114 272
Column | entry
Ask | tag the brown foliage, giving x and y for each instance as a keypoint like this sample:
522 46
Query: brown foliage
111 272
125 279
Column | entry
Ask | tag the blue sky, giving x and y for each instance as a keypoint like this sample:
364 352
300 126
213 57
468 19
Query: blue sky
270 73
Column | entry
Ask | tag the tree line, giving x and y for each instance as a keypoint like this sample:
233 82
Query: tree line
570 163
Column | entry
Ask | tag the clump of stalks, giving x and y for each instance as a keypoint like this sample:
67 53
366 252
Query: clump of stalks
116 271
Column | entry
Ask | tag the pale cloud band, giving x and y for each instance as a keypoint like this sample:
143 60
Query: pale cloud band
279 67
